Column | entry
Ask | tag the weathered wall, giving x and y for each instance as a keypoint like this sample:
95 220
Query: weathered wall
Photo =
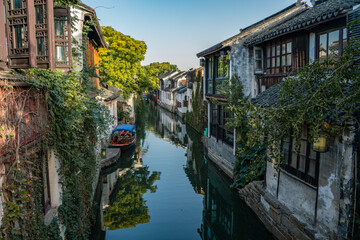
297 196
242 61
335 191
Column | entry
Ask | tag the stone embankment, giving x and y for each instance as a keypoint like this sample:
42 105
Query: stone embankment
277 218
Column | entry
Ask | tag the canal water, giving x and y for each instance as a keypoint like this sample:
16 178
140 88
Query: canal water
164 188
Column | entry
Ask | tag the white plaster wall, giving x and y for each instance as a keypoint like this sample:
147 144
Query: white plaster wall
271 178
77 34
336 185
131 102
311 47
189 93
112 107
54 179
181 97
297 196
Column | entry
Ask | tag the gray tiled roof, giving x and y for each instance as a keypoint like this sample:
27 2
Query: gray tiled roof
108 95
223 43
178 75
181 89
268 98
327 10
168 73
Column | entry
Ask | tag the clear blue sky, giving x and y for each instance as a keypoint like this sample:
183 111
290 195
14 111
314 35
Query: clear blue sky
175 30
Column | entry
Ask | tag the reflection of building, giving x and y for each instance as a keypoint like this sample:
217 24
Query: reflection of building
225 216
171 127
195 168
176 91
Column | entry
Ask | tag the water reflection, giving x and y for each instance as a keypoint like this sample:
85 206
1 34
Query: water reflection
127 206
123 202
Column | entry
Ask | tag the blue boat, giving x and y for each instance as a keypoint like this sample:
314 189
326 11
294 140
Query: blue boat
123 136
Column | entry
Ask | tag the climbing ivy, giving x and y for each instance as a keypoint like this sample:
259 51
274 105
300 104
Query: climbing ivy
195 118
76 121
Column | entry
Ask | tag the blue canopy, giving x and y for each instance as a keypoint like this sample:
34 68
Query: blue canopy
124 127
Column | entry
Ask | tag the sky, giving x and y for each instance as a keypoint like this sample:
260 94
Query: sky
176 30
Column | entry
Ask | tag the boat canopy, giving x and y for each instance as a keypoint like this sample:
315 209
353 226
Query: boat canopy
124 127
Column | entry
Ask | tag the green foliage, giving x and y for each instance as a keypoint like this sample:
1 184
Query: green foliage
128 207
157 69
120 64
250 166
251 152
66 2
199 108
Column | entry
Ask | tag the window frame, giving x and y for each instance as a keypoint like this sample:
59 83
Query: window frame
259 70
210 75
212 78
63 41
218 128
295 171
341 41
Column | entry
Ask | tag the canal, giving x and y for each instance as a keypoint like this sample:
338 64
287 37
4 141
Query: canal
165 188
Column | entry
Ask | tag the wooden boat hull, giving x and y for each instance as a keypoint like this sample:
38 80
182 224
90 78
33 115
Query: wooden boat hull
124 146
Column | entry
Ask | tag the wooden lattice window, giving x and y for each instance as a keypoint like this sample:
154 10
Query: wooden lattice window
279 57
41 31
62 37
18 4
17 27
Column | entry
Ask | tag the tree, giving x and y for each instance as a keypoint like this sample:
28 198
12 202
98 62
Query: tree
156 69
120 64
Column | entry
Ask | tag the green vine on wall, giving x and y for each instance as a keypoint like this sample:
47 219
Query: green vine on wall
195 118
76 120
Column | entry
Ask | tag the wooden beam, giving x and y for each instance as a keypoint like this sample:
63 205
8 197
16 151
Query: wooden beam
31 32
3 48
51 33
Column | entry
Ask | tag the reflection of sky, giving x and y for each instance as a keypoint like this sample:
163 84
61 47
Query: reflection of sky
175 209
175 30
